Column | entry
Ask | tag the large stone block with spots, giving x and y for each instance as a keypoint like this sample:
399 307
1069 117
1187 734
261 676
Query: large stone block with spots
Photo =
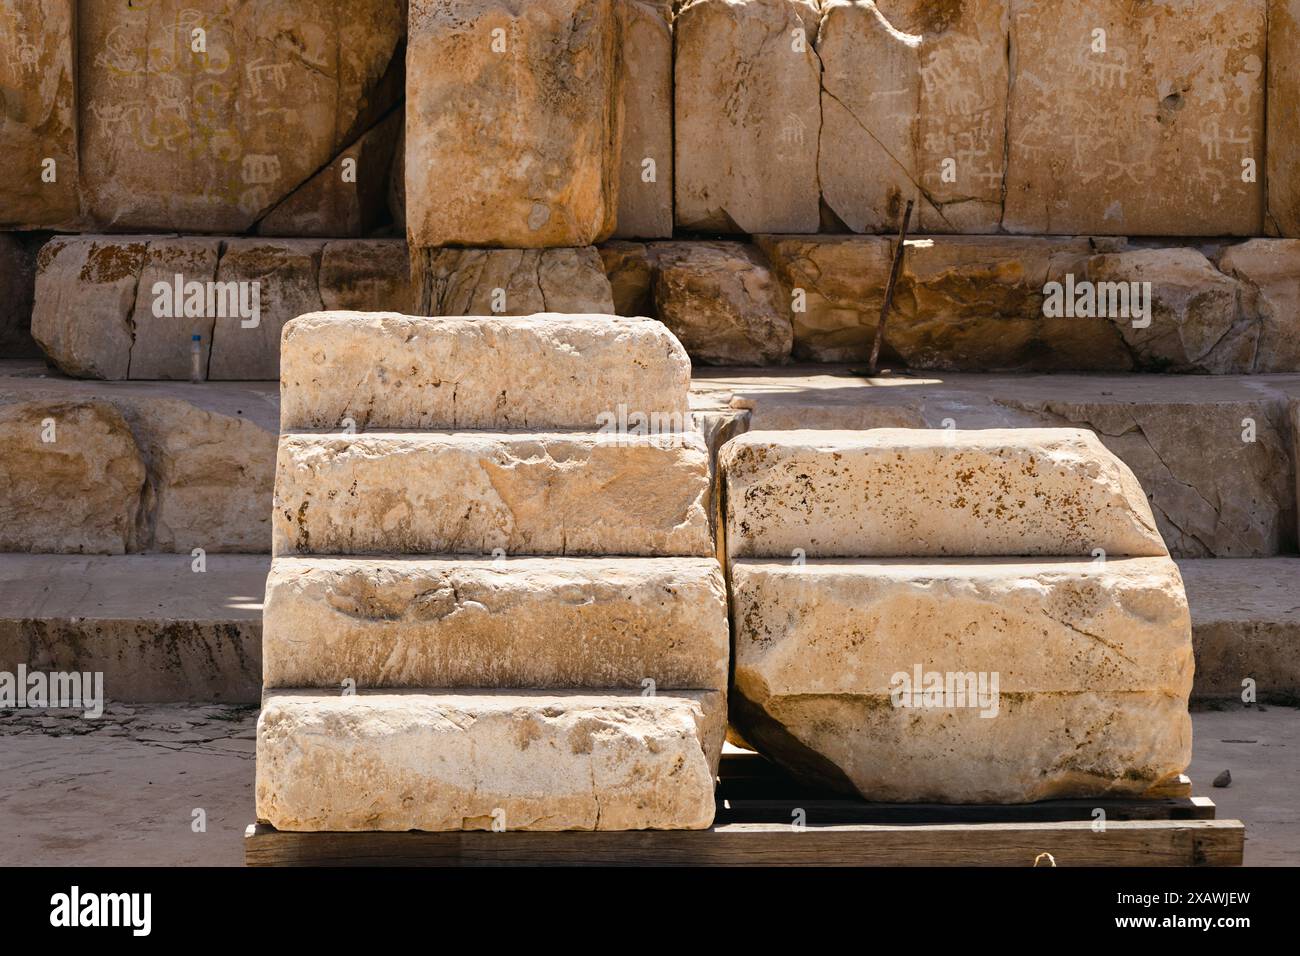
932 493
504 760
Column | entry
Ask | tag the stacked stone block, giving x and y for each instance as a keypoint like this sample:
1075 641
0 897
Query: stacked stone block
522 595
966 617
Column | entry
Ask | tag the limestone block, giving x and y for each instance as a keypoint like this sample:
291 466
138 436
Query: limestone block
722 301
1092 663
517 281
349 197
748 116
166 315
521 622
1283 133
1268 271
931 493
174 139
85 289
541 371
38 121
521 760
369 275
474 493
645 193
1193 310
914 98
1147 136
513 123
72 478
281 277
977 303
842 280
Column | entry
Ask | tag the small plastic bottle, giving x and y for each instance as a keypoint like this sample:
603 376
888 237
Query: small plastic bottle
196 358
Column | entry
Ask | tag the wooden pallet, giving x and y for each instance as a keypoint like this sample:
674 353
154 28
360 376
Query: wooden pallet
758 806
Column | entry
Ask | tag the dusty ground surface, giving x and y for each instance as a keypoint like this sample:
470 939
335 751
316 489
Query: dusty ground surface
123 789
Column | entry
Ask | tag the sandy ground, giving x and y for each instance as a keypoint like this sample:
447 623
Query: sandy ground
124 789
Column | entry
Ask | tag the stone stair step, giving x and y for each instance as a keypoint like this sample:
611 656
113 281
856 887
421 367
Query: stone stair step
578 493
1092 662
519 622
928 493
524 760
1245 625
155 628
546 371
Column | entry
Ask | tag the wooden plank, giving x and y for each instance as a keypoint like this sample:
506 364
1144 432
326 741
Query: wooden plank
837 811
1122 843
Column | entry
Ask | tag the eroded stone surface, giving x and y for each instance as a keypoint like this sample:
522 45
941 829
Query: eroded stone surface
1283 216
722 302
518 622
17 292
543 371
450 761
645 192
528 134
517 282
206 455
930 126
72 478
923 492
38 121
1268 271
748 117
473 493
1147 137
161 330
1093 665
171 139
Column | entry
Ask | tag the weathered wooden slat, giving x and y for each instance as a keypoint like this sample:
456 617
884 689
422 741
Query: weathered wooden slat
1122 843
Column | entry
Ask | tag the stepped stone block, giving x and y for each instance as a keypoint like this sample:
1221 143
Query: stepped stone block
159 327
17 290
520 622
542 371
932 493
156 629
722 302
473 493
366 275
1068 678
519 106
748 116
645 193
200 460
914 101
72 478
1245 625
174 139
538 760
38 114
1148 104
